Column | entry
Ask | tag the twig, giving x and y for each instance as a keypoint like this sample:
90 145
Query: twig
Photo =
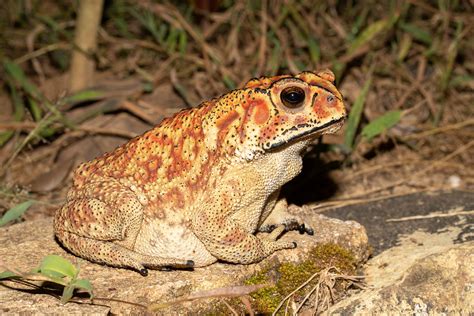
114 300
232 310
245 300
293 292
431 215
29 126
41 51
442 129
232 291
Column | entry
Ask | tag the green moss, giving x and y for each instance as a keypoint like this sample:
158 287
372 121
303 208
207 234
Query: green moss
267 298
288 276
327 255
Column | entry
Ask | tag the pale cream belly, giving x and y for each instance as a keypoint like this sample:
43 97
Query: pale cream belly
160 239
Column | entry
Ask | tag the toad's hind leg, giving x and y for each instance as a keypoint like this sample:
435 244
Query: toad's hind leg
116 255
101 224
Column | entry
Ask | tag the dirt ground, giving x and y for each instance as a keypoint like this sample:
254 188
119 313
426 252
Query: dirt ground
407 62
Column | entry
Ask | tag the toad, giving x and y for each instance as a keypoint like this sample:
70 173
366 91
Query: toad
199 186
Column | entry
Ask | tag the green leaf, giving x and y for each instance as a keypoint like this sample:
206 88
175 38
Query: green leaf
67 294
381 124
18 75
462 81
57 266
275 56
338 68
148 21
84 96
9 275
84 285
357 25
5 137
229 83
452 53
35 109
314 51
404 46
15 212
18 104
417 32
183 42
172 40
370 32
355 114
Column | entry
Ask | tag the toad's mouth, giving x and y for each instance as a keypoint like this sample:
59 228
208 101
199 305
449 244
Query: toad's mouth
316 131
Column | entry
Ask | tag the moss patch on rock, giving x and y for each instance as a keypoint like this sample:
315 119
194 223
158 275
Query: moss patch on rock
286 277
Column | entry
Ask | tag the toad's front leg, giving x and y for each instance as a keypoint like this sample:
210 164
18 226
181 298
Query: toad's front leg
278 215
224 236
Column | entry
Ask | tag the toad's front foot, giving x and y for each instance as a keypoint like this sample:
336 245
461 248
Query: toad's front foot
280 216
302 228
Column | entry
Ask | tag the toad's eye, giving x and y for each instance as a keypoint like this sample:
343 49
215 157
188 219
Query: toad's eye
292 97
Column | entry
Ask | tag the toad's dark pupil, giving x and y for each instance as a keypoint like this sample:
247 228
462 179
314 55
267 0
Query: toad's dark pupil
292 97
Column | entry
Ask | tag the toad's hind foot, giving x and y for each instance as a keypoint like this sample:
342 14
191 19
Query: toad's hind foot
114 254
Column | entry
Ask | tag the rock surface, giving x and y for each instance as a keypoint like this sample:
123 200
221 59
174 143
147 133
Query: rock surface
427 275
25 244
389 219
424 261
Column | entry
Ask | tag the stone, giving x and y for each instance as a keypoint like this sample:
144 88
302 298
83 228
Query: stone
426 275
25 244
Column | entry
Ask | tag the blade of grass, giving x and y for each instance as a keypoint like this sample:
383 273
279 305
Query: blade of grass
171 41
360 20
149 21
182 42
417 32
83 96
452 53
462 81
451 58
15 71
18 114
314 51
370 32
229 83
275 55
404 47
15 212
381 124
35 109
355 115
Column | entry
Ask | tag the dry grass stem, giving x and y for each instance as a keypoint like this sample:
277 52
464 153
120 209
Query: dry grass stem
457 212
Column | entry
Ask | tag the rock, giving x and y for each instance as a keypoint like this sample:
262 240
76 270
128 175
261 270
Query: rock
423 255
426 275
386 220
25 244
